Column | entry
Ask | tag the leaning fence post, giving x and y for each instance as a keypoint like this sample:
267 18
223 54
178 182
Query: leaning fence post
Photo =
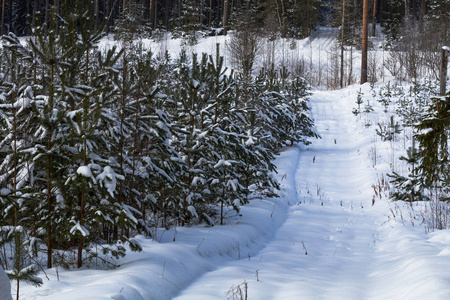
444 60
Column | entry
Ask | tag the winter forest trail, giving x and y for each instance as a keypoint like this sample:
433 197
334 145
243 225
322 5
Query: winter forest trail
321 239
326 247
334 243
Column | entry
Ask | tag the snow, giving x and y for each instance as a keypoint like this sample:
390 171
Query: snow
326 237
321 239
108 178
4 192
250 141
192 210
5 286
85 171
80 228
425 131
222 162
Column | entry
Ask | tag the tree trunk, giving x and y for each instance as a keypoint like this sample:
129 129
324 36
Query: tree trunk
225 17
166 14
45 18
308 25
374 17
3 17
364 42
50 209
443 75
56 5
10 16
155 15
107 15
95 15
342 44
422 11
81 241
49 174
350 71
83 191
152 12
210 13
179 13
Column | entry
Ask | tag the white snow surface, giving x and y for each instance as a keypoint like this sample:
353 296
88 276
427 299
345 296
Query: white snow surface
321 239
5 286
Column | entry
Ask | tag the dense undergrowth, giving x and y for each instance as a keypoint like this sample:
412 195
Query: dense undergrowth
97 146
412 132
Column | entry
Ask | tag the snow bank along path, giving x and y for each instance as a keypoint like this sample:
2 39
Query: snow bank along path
334 244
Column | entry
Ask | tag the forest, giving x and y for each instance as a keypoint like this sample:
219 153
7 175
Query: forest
286 18
98 145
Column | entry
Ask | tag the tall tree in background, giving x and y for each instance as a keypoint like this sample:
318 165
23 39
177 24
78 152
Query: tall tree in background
3 17
294 18
342 45
365 28
374 16
225 16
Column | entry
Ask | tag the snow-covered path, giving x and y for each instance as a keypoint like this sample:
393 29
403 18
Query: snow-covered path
339 240
334 243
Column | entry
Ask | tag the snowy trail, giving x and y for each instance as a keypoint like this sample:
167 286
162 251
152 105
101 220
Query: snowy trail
334 244
322 239
292 247
339 240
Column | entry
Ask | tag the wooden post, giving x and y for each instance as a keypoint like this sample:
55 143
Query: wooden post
444 61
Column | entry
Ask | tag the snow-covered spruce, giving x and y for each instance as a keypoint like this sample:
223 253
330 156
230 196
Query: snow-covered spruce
98 146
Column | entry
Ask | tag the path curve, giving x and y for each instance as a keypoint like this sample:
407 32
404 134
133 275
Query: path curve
326 247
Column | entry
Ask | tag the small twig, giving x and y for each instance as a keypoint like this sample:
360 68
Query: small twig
271 214
239 251
304 247
40 267
200 243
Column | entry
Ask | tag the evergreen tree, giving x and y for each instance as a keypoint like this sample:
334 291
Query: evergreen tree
22 270
412 187
394 19
191 19
302 127
433 139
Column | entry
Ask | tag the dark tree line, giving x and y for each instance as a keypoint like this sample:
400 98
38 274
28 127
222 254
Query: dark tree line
286 15
290 18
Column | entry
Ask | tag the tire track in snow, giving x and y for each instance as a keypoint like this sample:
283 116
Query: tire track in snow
342 234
